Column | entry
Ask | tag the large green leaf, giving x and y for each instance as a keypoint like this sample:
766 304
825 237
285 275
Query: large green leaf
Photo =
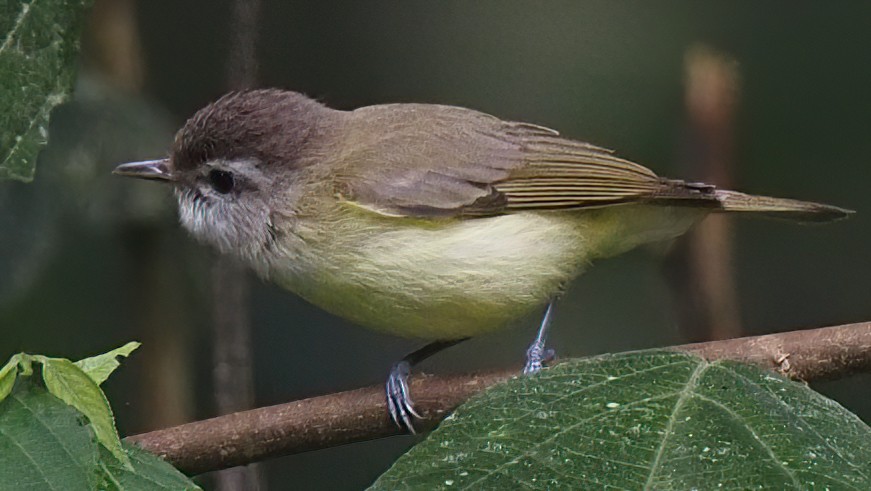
652 420
150 472
47 444
44 444
77 384
39 45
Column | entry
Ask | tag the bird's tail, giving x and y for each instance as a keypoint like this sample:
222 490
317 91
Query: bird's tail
721 200
803 211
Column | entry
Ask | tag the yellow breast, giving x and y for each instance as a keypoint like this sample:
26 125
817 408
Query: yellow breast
446 279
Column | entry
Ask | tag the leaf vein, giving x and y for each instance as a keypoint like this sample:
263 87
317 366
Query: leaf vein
567 429
587 388
49 428
44 110
25 11
29 457
806 424
683 396
760 441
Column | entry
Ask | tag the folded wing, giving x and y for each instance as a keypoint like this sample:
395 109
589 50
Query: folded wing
431 160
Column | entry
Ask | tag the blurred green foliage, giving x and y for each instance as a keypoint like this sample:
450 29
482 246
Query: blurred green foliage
38 60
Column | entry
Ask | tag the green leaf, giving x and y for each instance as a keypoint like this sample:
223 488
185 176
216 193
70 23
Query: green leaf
149 472
39 46
69 383
44 444
25 363
650 420
77 384
47 444
101 366
8 374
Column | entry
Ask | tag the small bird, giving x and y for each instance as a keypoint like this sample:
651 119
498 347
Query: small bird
427 221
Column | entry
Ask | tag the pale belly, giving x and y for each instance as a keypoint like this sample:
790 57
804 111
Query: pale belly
457 278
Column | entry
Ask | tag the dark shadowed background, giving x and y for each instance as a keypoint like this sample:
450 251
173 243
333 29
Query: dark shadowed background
88 261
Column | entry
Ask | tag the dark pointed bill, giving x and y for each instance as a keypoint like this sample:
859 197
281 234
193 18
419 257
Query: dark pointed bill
155 170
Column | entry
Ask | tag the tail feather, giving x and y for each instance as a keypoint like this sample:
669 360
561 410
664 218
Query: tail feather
805 211
721 200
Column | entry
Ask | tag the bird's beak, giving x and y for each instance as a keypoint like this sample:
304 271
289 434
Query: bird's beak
155 170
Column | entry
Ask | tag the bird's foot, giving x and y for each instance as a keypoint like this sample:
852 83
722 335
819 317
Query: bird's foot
536 356
399 403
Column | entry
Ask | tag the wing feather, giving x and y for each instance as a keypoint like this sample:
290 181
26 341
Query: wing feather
432 160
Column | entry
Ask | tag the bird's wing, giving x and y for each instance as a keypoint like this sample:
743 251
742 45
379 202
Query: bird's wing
426 160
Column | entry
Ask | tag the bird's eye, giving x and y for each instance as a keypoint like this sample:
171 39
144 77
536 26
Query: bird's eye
221 180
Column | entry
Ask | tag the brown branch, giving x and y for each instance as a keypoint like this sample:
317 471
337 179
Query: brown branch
358 415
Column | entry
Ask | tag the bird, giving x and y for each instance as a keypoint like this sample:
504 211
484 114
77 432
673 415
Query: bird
424 221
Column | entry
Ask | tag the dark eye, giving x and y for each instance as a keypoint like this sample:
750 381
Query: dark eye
221 180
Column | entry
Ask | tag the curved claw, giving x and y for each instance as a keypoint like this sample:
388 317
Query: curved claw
399 403
549 355
536 357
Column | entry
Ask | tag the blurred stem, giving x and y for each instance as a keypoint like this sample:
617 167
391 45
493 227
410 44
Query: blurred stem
233 370
360 415
166 390
112 49
700 266
233 374
112 44
242 63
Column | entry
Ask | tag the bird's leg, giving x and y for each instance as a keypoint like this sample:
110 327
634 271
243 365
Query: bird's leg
399 403
537 354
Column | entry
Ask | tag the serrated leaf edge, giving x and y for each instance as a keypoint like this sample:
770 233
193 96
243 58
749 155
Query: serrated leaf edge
106 434
95 366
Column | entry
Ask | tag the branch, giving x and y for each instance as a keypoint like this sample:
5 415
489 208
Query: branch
358 415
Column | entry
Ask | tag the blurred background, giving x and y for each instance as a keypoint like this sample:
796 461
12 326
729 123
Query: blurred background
768 97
